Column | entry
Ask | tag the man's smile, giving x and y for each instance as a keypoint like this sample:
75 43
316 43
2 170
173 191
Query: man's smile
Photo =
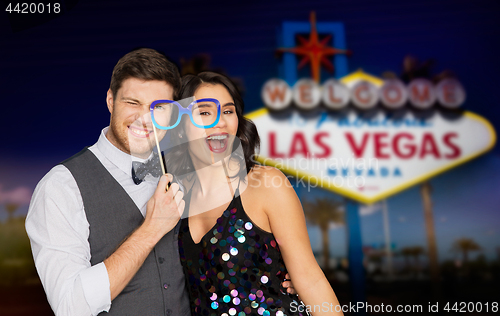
140 132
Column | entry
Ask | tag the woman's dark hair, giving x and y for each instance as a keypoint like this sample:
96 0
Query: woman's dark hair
246 133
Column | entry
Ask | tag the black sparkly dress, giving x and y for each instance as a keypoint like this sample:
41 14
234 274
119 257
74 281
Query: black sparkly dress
236 268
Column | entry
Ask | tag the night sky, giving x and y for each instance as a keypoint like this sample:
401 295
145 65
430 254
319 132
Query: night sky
55 72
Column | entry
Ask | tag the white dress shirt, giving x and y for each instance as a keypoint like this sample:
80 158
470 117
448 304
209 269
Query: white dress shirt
58 230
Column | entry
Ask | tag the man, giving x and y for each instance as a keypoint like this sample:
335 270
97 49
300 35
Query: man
98 235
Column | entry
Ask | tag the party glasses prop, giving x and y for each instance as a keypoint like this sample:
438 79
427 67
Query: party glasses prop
204 113
166 114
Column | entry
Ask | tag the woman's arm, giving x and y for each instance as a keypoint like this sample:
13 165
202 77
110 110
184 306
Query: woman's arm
287 222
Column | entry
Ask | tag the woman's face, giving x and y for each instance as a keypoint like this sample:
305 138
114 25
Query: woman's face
213 144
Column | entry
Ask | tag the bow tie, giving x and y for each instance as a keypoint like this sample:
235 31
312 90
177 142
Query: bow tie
141 170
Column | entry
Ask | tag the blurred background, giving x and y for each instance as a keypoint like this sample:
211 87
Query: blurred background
56 68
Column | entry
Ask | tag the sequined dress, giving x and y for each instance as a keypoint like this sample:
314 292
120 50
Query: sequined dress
236 268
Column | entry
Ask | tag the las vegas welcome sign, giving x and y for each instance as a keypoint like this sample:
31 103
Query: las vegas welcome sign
365 158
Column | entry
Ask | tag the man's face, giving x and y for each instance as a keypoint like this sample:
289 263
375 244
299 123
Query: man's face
131 129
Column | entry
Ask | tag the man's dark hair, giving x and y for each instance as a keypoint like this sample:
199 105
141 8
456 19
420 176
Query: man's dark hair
145 64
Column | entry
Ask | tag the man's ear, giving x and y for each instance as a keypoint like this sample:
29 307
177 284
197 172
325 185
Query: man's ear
110 100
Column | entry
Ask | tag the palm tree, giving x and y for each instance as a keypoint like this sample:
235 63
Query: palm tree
11 208
416 251
202 62
406 253
413 68
465 245
426 191
322 212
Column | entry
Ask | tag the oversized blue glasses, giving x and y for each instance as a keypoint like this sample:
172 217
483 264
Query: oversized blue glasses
204 113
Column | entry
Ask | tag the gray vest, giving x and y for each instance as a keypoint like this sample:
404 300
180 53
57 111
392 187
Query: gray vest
158 288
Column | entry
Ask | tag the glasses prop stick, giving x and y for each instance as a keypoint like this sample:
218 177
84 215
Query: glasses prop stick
160 155
164 171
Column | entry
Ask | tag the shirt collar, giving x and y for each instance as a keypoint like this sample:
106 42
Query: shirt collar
117 157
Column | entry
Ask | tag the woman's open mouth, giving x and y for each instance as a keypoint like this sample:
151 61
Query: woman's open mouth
217 143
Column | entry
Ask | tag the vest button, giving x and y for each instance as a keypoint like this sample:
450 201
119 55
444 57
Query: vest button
161 260
165 286
169 312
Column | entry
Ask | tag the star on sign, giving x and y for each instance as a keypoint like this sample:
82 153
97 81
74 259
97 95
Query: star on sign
314 51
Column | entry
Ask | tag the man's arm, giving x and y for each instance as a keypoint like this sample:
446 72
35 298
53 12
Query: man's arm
59 231
163 213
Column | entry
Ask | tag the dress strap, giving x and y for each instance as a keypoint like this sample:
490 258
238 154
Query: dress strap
238 187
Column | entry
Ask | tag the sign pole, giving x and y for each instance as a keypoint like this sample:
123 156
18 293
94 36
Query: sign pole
355 254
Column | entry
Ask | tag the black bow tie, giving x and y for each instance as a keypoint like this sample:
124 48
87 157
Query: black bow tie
141 170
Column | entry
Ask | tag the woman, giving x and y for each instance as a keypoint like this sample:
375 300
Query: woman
244 228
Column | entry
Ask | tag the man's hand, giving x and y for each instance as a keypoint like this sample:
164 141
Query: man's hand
288 285
162 214
165 208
